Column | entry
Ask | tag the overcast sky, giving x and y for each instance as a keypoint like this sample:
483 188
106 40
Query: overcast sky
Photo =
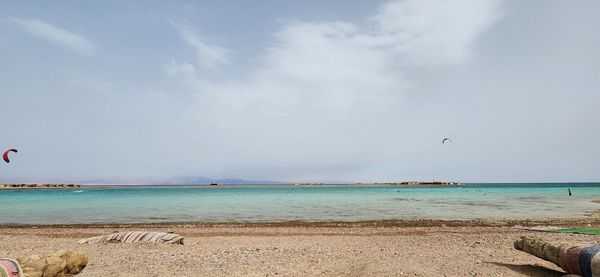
301 90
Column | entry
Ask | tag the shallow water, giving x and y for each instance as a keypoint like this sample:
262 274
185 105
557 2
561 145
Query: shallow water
285 203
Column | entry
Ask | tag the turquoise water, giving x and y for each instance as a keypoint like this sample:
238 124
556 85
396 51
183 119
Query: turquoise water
285 203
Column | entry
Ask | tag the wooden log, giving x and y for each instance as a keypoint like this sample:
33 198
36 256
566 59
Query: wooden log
549 251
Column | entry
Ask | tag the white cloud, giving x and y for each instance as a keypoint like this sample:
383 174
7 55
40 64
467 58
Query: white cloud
184 70
323 82
54 34
209 55
434 32
339 67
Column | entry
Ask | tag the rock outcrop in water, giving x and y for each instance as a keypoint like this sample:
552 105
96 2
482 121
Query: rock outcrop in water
308 184
38 186
415 183
410 183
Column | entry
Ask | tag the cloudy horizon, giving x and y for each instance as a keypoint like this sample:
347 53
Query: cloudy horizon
323 91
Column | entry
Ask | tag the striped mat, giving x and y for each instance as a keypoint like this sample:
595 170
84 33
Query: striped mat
10 268
137 236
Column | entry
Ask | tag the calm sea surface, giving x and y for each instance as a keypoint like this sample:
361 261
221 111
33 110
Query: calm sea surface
284 203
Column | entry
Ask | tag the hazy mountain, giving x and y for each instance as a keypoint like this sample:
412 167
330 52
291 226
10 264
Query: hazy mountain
145 181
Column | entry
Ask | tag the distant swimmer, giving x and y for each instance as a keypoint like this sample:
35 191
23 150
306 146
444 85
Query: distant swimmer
570 194
445 140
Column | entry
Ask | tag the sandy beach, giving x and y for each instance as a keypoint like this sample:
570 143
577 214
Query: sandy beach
392 248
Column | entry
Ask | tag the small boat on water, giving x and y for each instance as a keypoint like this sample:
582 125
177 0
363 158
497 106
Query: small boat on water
214 184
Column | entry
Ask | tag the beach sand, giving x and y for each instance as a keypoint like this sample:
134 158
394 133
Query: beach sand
299 249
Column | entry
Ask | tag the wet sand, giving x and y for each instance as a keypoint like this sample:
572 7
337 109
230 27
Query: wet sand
383 248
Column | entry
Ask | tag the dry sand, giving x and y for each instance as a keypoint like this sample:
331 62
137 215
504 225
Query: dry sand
299 249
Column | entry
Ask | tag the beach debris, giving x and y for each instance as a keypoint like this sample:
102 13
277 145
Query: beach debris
5 155
57 264
475 244
553 229
445 140
136 236
580 259
543 228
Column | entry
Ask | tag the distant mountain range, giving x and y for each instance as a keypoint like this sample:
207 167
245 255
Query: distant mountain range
205 180
144 181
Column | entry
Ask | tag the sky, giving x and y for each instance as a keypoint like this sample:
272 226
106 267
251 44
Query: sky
301 91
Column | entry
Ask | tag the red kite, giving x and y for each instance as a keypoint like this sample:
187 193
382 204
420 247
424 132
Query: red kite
5 156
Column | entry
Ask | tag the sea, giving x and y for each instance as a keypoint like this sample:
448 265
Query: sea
268 203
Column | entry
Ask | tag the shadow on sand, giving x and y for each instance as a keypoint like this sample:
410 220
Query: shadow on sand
531 270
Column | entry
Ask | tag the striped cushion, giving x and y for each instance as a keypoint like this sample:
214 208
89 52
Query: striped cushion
586 258
572 259
583 260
